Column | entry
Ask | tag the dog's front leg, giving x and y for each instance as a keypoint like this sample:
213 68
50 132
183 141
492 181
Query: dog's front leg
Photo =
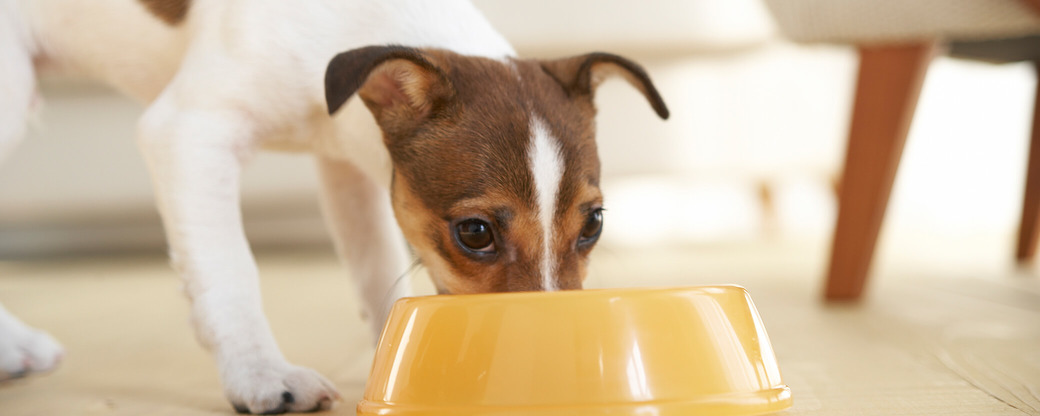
367 237
195 158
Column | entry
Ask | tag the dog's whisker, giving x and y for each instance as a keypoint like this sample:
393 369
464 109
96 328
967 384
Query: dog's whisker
388 296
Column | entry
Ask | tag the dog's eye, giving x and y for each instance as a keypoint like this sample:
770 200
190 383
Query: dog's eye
593 227
475 235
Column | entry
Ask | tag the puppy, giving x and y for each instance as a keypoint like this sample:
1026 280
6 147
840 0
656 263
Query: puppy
486 162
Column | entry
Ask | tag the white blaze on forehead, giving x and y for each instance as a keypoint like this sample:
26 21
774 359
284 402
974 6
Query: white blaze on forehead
547 170
514 69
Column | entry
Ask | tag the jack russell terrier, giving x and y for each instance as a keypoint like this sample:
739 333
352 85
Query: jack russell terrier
485 161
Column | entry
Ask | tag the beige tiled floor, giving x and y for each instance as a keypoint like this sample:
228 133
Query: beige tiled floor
922 344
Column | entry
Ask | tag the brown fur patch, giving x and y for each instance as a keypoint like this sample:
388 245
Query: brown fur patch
172 12
472 161
458 130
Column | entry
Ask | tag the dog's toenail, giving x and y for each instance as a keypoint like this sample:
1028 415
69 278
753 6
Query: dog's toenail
288 397
240 409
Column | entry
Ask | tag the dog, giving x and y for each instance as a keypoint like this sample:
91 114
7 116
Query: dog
427 127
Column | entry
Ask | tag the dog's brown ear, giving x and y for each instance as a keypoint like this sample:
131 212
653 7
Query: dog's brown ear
580 75
395 82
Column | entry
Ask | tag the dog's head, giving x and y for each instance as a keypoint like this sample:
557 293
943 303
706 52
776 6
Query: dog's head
496 174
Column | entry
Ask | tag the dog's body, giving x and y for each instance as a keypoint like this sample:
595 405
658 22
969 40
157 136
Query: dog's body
489 159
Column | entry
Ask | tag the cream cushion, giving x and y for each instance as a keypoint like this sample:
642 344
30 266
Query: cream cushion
876 21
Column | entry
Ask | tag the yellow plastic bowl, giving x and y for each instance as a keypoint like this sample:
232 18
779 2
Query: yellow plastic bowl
682 351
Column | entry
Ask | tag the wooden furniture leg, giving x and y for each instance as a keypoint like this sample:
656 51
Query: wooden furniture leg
1028 229
1033 4
890 78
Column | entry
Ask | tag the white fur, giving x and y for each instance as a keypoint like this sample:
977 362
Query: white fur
238 75
355 205
547 171
23 349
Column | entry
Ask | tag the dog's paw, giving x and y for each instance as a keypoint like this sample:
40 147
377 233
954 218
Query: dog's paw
25 350
276 389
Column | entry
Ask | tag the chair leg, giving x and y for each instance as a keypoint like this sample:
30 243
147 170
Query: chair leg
1035 5
1028 228
889 83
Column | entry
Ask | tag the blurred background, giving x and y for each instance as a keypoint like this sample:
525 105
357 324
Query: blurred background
741 185
752 153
